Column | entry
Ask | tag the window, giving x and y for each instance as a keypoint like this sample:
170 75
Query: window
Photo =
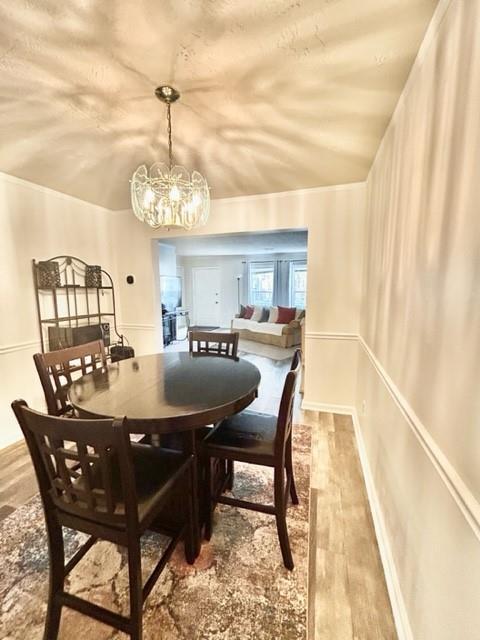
298 284
260 283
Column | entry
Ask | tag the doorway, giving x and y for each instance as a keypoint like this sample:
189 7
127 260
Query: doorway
206 296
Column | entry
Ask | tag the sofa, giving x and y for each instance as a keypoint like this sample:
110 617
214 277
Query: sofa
278 334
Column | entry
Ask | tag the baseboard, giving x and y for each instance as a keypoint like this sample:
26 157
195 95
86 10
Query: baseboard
308 405
399 610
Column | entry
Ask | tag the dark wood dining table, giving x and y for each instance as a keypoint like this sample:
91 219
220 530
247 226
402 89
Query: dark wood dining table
181 391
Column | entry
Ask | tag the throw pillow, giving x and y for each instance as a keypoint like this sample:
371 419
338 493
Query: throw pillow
242 311
265 315
257 314
273 315
248 312
300 314
286 315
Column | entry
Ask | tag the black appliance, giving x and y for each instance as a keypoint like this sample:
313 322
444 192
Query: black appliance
121 352
63 337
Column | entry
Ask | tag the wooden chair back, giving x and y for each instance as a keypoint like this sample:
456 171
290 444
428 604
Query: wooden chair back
285 414
297 356
217 343
81 464
55 369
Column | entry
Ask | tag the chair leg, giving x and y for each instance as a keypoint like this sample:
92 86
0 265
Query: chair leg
280 516
57 566
289 469
230 472
135 584
208 498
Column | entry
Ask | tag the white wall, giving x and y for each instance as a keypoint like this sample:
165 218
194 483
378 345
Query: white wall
167 259
419 366
37 223
334 218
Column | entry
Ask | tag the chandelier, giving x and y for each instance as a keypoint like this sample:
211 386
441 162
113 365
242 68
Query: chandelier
168 195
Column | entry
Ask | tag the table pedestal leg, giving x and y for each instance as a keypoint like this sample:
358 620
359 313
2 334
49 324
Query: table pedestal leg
195 492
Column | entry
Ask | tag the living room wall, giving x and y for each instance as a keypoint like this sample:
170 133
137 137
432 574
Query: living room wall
230 267
334 218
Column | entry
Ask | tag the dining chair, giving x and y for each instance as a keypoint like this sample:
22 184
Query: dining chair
217 344
55 369
114 492
297 356
230 472
213 343
261 439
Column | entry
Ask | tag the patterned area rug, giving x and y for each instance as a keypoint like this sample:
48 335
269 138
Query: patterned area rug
237 589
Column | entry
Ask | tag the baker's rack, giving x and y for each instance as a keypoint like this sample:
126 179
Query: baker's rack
71 293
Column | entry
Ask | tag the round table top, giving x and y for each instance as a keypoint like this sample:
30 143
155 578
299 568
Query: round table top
185 390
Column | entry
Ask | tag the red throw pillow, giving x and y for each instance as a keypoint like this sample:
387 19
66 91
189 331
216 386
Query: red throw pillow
248 312
286 314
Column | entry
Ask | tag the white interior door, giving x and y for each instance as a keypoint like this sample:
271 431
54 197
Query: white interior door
206 296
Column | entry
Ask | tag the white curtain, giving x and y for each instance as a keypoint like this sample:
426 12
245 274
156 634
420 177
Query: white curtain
281 286
243 286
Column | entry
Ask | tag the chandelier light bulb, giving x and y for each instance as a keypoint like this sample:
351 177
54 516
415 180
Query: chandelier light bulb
174 193
148 198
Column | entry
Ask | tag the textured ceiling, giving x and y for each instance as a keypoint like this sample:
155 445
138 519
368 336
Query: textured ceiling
276 94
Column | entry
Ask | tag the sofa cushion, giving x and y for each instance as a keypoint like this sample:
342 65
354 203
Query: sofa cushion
285 315
248 312
265 314
273 314
257 314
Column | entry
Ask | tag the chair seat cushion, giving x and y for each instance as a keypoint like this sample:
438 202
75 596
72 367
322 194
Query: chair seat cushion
155 471
248 432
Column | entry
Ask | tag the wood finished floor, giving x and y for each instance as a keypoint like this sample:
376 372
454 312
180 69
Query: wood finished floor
347 598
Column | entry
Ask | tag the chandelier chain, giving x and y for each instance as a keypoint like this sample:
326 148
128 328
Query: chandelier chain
169 130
